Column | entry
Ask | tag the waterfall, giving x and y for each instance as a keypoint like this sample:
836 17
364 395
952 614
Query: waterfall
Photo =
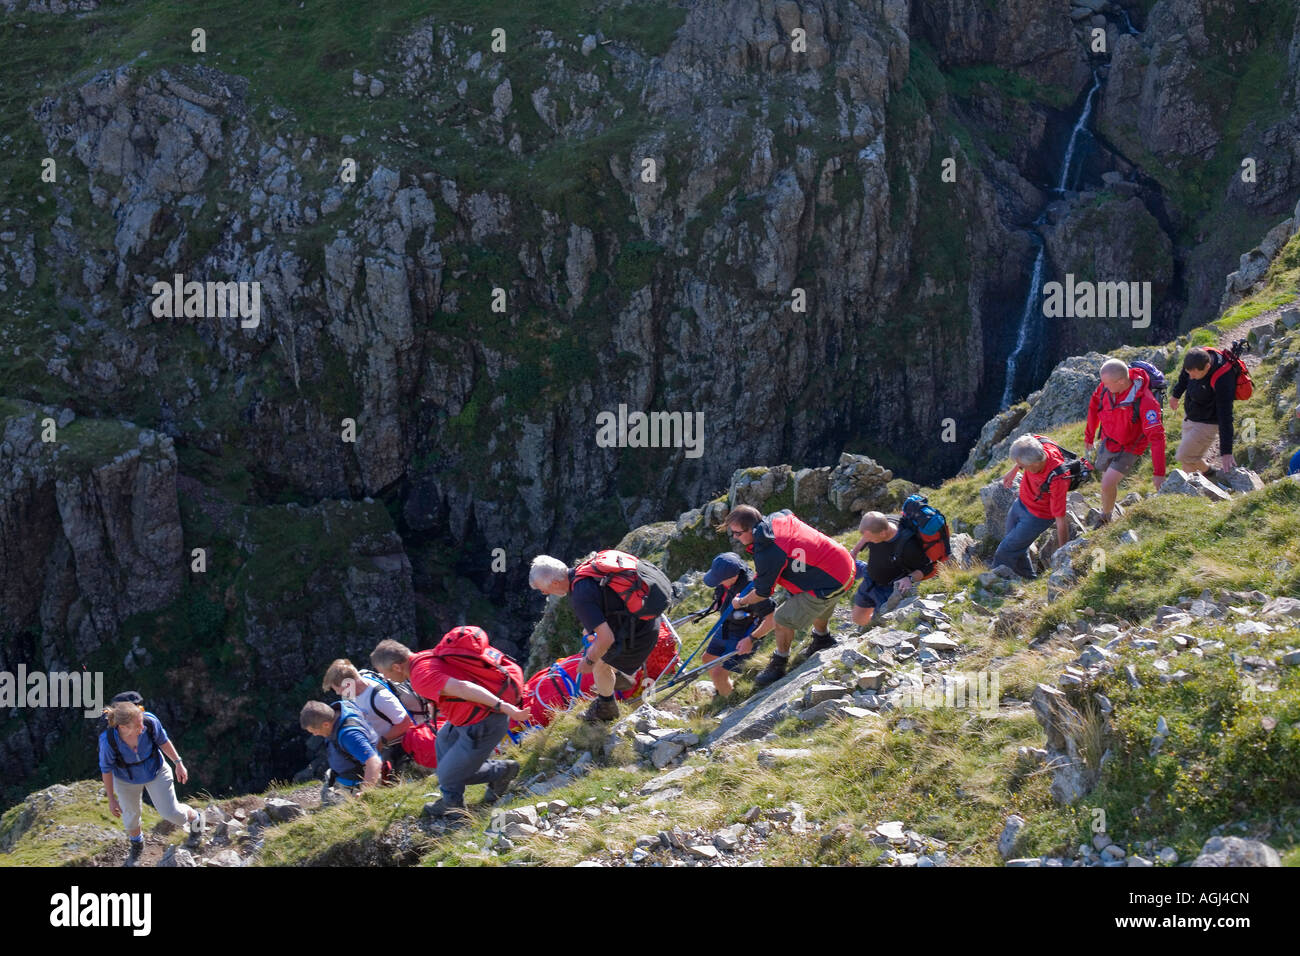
1080 129
1028 324
1026 319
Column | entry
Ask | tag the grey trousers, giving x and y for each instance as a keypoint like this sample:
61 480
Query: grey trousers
463 752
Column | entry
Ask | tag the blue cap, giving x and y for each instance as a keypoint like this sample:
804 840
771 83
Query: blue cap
725 565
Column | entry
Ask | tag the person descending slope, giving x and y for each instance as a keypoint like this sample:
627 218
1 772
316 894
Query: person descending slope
352 746
1210 379
816 570
131 750
477 688
895 561
1044 488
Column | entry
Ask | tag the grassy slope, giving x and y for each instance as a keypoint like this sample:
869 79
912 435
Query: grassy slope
1232 758
954 774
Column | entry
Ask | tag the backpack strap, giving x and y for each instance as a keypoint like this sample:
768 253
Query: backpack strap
375 710
1228 362
344 722
117 754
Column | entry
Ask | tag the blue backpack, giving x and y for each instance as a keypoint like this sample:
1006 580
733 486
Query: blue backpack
1156 382
927 522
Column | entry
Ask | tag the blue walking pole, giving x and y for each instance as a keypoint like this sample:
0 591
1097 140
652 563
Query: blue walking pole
722 619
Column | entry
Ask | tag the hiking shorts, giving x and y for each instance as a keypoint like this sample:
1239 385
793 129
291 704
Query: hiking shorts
627 654
1198 438
1121 461
798 611
871 594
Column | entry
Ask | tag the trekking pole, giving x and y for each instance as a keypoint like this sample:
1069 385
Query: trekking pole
727 611
678 681
679 684
693 616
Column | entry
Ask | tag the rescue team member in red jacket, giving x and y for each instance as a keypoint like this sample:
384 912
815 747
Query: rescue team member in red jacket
1041 503
477 719
816 570
1129 417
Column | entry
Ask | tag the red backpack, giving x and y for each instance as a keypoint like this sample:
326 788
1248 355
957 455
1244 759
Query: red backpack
554 688
1245 387
421 742
644 590
467 652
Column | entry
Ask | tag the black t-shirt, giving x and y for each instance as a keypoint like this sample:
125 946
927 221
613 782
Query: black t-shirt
890 560
593 604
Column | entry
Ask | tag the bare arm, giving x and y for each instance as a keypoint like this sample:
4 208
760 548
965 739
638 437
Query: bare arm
604 640
398 731
371 775
182 774
466 690
114 807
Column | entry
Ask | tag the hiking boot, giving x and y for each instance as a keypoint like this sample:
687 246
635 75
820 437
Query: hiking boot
622 682
442 809
773 672
497 788
600 710
819 642
134 852
196 828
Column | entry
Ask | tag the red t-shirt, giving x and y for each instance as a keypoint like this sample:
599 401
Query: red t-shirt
429 675
1052 504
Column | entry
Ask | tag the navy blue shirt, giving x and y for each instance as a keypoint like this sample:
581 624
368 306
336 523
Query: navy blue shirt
144 759
595 605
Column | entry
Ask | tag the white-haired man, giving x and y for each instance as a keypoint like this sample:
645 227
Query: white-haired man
1041 504
621 640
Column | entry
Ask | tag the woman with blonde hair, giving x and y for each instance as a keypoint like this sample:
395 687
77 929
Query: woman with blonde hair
131 761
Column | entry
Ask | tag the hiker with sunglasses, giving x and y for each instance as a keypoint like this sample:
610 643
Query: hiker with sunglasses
815 569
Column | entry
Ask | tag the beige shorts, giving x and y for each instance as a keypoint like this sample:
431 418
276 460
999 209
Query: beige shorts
1198 438
798 611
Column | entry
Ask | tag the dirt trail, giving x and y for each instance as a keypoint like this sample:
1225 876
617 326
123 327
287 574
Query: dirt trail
158 839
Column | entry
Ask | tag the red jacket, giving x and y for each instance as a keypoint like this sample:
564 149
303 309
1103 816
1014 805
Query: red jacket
1119 429
1052 504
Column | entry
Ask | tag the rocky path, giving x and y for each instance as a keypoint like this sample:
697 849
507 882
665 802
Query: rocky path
232 835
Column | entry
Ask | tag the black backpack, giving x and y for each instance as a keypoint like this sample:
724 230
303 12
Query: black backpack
130 697
1077 470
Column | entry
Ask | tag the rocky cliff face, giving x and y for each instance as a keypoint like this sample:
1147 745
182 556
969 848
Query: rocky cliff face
647 192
